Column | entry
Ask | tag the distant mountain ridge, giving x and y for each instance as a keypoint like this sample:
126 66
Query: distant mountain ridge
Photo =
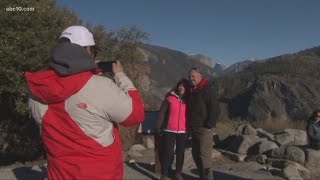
239 66
218 69
203 59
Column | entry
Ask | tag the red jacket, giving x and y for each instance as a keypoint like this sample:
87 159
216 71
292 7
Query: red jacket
76 113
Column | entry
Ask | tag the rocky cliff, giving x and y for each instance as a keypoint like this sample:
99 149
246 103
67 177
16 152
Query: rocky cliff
284 87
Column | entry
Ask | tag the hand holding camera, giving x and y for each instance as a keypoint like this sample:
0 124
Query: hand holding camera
110 66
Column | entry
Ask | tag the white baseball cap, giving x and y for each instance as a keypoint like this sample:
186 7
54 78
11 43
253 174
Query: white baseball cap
78 35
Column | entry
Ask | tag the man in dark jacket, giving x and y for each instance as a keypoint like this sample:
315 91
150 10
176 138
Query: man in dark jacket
313 130
202 113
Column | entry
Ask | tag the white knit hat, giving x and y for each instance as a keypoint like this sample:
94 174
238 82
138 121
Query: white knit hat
78 35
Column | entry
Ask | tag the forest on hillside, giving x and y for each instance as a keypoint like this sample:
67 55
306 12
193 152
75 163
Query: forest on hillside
25 45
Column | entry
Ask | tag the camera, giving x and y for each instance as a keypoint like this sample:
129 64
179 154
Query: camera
105 66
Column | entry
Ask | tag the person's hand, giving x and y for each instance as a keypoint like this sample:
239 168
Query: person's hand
117 67
98 72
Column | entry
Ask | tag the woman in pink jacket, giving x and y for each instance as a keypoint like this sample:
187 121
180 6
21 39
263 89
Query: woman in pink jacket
171 124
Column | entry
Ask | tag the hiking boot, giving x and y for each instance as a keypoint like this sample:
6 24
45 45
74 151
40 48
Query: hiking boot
164 177
178 176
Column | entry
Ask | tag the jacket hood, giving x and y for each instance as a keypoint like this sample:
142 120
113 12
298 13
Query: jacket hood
50 88
69 59
201 84
173 93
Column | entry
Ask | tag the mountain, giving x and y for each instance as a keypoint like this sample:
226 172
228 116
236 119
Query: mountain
167 67
283 87
237 67
203 59
218 69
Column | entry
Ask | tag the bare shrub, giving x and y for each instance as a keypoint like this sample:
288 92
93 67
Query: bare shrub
225 128
277 125
129 136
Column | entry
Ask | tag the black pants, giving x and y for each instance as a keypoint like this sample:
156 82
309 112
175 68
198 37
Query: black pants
169 139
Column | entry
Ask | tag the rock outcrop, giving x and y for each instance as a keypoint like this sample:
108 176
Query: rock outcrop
287 151
284 87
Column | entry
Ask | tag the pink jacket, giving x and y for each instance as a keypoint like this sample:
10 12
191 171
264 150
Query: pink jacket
176 119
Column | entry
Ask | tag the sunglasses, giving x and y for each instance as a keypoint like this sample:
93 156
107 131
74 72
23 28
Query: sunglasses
195 69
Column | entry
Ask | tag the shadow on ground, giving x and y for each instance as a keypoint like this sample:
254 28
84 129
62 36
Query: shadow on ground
147 170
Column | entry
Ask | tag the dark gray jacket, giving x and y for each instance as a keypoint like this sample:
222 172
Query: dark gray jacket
202 106
313 131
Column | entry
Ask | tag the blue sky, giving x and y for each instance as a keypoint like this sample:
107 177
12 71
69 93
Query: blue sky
227 31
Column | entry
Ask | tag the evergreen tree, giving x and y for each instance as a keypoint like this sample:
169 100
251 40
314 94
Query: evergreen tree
26 40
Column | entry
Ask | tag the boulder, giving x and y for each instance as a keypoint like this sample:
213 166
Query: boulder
147 142
137 147
277 163
299 136
284 138
245 129
215 154
249 130
295 154
239 130
234 156
262 147
135 151
241 144
134 154
274 171
291 172
292 153
260 158
304 172
264 134
313 162
284 163
228 141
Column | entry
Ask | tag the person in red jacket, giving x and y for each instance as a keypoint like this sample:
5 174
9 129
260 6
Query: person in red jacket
171 124
76 110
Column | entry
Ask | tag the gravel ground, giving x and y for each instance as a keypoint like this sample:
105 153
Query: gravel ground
143 168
